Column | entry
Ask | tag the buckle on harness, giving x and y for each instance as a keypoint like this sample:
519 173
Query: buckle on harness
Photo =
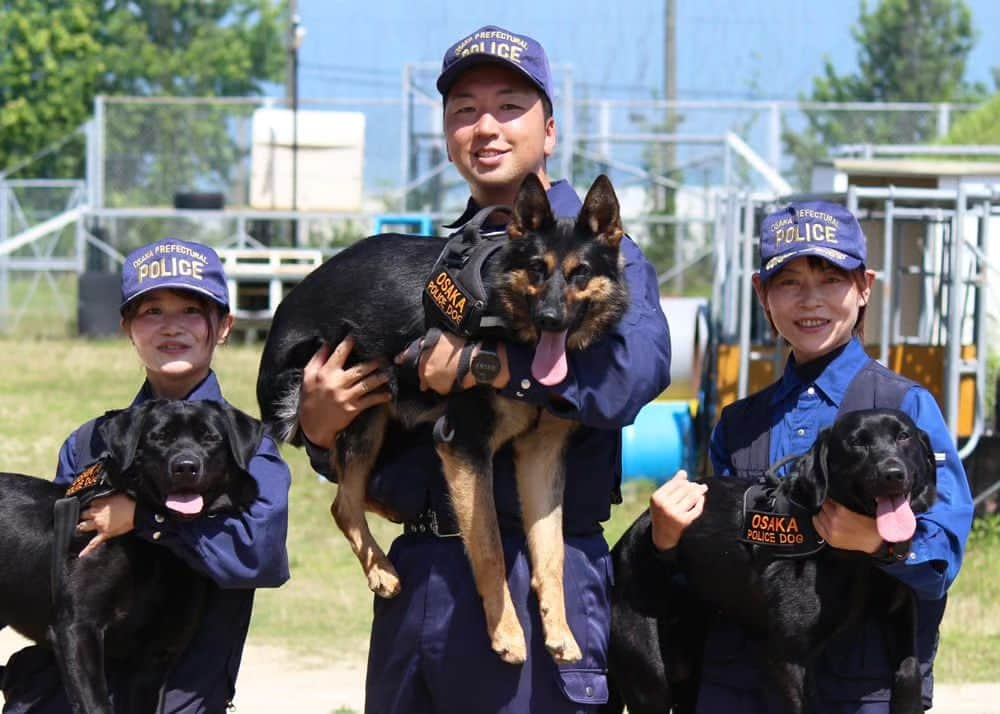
427 524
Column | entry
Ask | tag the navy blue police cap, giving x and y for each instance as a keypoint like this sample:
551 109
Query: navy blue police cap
495 45
177 264
826 230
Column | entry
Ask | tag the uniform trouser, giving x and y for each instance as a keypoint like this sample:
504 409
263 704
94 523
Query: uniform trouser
430 651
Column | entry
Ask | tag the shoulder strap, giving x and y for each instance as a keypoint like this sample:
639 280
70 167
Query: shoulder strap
748 434
87 452
875 387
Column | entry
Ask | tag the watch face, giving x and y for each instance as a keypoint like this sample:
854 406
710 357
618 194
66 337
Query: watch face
485 367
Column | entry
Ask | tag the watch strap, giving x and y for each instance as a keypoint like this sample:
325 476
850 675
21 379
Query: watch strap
464 362
891 553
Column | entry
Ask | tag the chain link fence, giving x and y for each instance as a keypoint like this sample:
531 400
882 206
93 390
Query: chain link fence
671 163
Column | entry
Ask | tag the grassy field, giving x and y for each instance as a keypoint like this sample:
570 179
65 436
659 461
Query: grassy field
49 387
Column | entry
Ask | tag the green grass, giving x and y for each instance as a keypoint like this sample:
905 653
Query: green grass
49 387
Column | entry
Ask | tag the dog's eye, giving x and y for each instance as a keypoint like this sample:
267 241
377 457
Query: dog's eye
903 435
538 270
581 276
211 437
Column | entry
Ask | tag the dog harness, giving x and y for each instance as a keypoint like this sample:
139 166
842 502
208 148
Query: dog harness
455 298
774 520
91 483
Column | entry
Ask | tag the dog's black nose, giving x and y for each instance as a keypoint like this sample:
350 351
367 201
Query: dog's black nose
550 320
184 469
893 474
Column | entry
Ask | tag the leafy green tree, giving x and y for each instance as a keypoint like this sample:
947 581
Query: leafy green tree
908 51
57 56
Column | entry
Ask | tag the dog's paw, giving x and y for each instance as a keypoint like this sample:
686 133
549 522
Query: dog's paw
563 648
511 646
384 582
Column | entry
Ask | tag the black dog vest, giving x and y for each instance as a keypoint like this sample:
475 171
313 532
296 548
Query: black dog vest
455 298
773 520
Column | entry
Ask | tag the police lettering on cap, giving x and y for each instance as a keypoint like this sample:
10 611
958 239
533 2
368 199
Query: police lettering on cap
495 45
177 264
826 230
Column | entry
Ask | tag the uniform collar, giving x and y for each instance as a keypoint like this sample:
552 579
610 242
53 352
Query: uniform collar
208 390
563 199
832 381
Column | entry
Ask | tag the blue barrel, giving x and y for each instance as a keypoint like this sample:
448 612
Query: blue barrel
659 442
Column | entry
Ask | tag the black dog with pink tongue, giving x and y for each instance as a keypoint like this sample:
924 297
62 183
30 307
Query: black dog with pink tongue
875 462
132 605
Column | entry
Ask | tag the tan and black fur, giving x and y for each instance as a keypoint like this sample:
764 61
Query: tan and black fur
552 275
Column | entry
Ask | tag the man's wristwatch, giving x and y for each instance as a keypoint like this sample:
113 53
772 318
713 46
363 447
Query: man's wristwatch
891 553
485 365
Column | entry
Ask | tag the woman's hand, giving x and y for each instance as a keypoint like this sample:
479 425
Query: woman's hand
332 396
108 517
843 528
673 507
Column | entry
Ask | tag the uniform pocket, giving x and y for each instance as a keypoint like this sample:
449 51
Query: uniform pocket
584 686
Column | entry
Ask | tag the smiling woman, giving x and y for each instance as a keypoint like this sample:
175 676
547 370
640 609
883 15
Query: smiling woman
175 311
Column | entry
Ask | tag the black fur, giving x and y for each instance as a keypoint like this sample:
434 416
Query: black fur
798 605
131 605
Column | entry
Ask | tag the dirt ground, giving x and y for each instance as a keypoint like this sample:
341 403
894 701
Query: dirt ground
273 681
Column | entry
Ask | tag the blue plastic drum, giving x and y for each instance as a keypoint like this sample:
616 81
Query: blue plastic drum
659 442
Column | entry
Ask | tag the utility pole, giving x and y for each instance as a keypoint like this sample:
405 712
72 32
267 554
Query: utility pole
296 34
670 77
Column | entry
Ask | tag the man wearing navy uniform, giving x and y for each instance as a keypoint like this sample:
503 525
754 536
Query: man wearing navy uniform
430 651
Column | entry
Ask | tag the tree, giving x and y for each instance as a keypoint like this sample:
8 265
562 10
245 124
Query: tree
908 51
56 57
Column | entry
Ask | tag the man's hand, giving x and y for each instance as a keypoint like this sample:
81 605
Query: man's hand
108 517
332 396
843 528
673 507
438 361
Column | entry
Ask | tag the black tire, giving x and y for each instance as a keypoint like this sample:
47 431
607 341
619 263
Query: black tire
199 201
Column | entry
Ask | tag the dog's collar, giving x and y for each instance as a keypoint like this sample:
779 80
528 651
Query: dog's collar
778 524
455 297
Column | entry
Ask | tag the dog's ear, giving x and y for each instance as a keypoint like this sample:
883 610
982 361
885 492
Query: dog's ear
121 431
532 211
601 214
812 476
244 434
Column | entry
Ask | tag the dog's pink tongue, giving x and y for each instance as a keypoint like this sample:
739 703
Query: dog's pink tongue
549 366
189 504
894 519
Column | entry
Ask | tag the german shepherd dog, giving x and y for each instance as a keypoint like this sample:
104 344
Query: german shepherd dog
558 284
132 604
876 462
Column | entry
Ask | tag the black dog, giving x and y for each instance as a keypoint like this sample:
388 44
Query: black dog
875 462
557 284
131 605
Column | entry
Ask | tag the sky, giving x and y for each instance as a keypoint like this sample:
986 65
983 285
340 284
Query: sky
726 50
